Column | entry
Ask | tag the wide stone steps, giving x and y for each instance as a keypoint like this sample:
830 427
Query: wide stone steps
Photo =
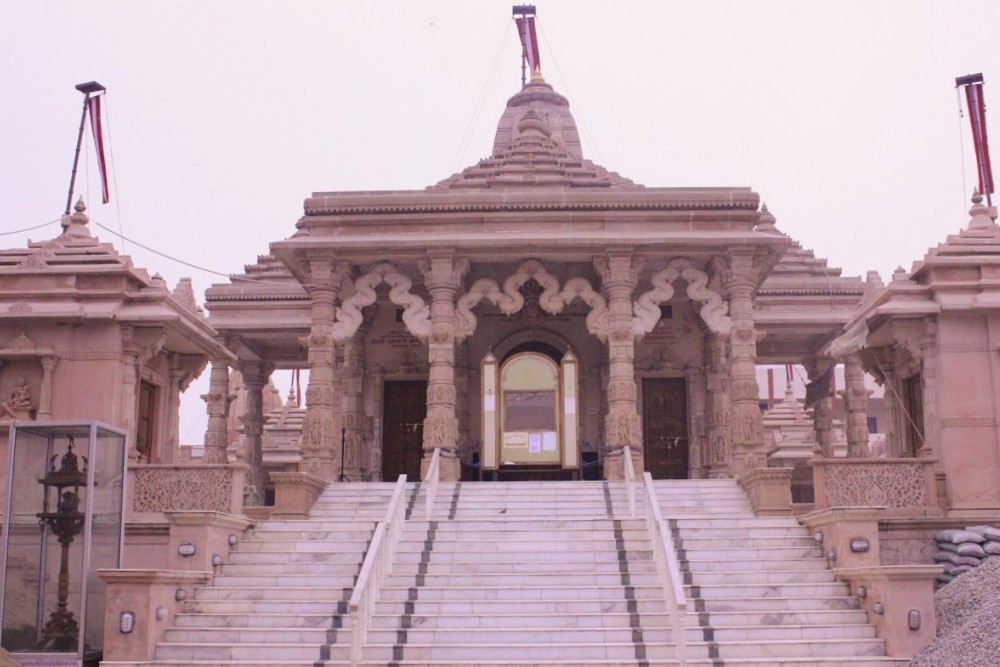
766 590
527 574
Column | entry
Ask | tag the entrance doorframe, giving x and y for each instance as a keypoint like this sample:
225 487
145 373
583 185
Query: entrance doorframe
695 397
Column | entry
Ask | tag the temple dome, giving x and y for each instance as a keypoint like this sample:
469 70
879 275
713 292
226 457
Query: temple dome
539 98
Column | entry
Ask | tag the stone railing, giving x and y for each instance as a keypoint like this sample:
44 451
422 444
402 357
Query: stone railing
433 481
901 486
667 567
375 570
629 481
158 488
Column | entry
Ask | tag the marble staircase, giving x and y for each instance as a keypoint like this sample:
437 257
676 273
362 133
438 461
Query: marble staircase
549 574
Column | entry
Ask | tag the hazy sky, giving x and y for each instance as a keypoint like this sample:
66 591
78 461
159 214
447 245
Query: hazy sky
224 116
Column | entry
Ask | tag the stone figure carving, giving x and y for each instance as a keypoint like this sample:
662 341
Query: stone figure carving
18 406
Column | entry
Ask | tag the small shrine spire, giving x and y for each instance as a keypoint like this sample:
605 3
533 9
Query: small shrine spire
524 17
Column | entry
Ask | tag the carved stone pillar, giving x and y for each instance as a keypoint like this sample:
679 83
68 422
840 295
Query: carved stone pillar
718 410
929 371
255 375
462 389
442 276
855 397
130 383
217 405
320 438
175 379
352 411
619 276
45 395
895 429
822 411
747 424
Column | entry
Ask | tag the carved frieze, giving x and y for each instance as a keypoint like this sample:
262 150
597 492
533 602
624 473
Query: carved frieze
647 307
894 485
166 489
416 313
552 300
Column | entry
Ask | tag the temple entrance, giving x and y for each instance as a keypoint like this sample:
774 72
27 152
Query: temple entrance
404 408
530 421
665 427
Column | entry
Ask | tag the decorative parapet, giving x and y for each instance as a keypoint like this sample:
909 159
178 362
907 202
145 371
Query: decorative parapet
158 488
904 487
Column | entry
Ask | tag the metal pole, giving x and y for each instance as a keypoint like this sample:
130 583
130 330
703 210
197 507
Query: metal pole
88 89
76 156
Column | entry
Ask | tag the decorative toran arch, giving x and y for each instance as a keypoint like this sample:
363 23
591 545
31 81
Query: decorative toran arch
416 313
713 310
510 301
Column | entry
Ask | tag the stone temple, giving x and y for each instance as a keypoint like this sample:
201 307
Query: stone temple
566 361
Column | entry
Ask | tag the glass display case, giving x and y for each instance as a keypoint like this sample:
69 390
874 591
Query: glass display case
63 522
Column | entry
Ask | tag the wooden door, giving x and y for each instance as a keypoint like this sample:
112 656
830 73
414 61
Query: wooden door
665 427
404 407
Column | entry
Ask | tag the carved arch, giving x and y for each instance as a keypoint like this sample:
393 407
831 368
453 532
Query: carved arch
416 313
647 307
510 300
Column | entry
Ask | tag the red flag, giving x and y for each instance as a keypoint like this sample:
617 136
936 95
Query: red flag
298 388
529 42
94 107
789 373
977 117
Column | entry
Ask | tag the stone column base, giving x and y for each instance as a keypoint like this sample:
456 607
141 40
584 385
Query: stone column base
294 494
893 595
152 596
769 489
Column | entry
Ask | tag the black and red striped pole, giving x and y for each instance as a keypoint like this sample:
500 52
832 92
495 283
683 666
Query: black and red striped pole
88 89
973 84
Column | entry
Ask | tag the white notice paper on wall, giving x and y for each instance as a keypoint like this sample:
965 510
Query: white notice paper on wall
490 402
534 443
549 441
570 405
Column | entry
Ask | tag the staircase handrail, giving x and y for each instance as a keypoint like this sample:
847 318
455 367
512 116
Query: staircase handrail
375 569
432 481
629 480
666 566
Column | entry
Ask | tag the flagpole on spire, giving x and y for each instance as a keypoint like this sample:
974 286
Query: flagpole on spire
524 17
88 89
973 84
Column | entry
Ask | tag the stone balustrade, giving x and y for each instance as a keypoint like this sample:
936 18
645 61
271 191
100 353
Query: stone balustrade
158 488
902 486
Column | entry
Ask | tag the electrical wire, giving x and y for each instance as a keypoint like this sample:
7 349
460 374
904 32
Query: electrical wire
31 229
230 276
961 148
114 172
480 103
579 113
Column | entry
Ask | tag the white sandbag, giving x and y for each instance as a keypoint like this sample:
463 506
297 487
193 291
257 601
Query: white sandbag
956 536
988 532
969 549
991 548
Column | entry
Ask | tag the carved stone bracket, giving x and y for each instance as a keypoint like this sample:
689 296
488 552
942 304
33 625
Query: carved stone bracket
416 313
647 307
510 301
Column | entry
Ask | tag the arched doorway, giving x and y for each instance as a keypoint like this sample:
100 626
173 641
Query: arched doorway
530 420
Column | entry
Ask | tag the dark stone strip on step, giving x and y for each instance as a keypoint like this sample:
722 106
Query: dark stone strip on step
454 501
704 621
634 621
411 503
337 621
406 620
